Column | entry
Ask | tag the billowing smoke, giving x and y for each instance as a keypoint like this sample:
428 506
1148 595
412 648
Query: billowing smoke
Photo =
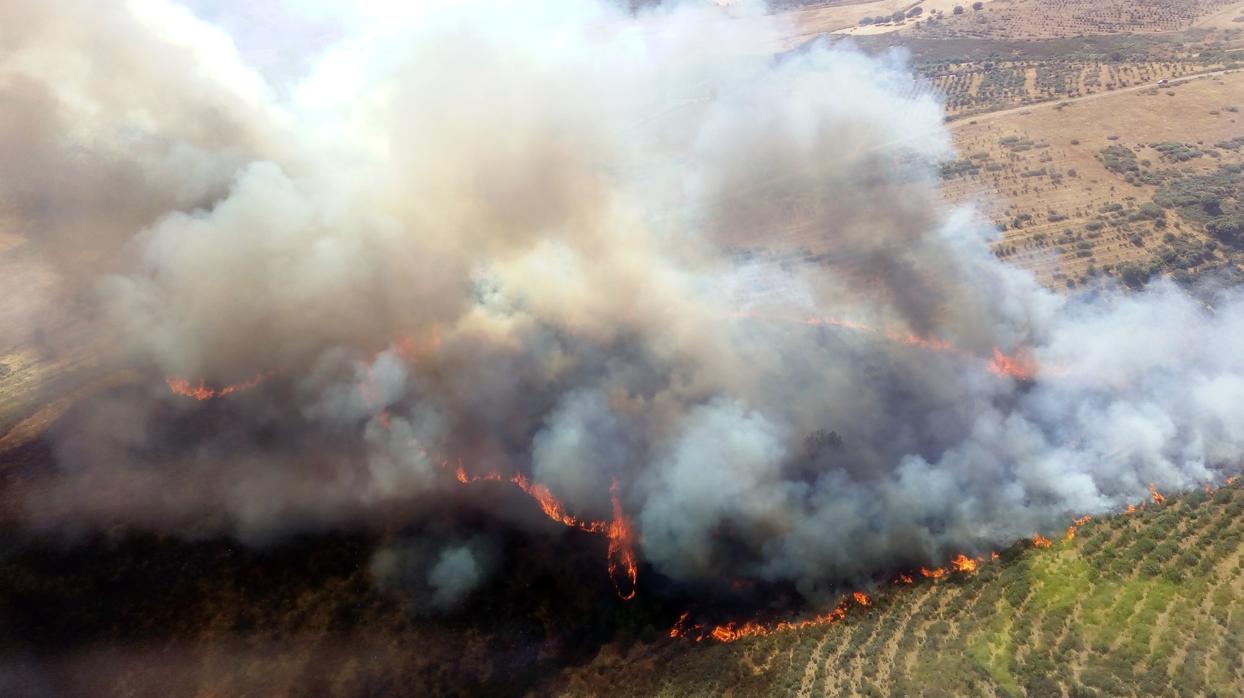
432 575
584 245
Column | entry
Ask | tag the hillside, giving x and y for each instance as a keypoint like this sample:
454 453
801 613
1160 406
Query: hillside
1143 604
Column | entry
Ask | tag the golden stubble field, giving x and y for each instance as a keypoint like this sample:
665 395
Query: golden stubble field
1043 161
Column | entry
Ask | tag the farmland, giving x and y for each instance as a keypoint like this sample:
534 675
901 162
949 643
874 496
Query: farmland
1143 604
1071 210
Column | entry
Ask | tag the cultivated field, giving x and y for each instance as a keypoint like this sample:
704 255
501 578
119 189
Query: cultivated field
1144 604
1040 172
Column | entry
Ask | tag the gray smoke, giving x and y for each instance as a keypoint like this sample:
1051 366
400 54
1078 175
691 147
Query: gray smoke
431 575
558 239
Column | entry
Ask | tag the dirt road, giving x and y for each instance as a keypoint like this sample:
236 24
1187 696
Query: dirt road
1050 104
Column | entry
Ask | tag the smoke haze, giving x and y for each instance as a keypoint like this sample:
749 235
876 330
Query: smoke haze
564 240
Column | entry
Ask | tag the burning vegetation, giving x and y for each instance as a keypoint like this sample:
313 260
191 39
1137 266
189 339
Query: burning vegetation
892 395
960 563
621 552
202 391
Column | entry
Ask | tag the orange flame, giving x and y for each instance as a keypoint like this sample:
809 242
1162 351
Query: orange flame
1131 509
993 556
1071 530
963 563
1155 494
621 552
181 386
1020 366
732 632
1041 541
621 547
1232 479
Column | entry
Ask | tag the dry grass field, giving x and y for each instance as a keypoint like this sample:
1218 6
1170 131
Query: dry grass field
1039 172
1041 19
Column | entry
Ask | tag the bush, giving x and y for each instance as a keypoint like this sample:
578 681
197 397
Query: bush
1228 229
1133 274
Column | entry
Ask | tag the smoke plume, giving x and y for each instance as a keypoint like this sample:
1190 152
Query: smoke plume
564 240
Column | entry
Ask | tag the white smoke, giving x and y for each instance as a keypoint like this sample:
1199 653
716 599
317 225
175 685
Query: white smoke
560 239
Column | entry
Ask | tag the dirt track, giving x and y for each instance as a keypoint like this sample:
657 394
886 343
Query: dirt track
986 116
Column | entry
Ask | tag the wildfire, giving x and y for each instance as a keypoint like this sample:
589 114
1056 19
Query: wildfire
621 547
732 632
1071 530
963 563
181 386
621 552
1019 366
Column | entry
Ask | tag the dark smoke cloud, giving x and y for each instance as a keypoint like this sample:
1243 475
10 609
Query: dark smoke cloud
563 240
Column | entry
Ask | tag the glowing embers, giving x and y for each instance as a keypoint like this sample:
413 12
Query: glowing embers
621 552
202 391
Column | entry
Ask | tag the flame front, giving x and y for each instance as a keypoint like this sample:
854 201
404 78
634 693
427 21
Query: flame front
1071 530
621 551
732 632
963 563
1019 366
181 386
